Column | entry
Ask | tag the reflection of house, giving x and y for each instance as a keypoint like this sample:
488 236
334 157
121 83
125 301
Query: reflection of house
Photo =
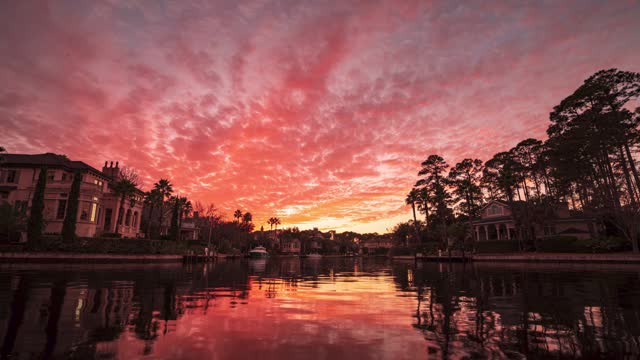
290 246
497 223
98 206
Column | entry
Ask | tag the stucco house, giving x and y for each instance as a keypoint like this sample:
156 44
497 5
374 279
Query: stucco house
98 205
497 222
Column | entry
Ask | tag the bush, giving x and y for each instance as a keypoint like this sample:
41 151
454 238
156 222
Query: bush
606 244
402 251
560 244
109 245
429 248
111 235
497 246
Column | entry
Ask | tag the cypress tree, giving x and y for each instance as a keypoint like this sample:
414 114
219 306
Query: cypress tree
71 215
36 217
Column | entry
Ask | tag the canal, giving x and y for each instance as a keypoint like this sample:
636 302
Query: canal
334 309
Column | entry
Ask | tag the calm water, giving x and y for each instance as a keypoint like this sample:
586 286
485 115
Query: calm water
319 309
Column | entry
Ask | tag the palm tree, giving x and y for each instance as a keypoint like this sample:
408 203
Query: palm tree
271 222
124 188
165 188
185 209
247 217
152 199
237 214
276 222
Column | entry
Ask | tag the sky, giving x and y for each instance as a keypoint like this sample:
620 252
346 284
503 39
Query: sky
318 112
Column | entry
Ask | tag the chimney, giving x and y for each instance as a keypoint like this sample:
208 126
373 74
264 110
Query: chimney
116 164
111 164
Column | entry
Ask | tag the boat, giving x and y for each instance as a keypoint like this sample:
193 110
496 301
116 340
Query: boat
314 256
258 252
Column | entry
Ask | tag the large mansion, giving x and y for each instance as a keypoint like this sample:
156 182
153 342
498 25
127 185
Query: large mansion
497 222
98 205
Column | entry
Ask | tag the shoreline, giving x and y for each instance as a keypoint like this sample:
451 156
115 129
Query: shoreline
65 257
558 258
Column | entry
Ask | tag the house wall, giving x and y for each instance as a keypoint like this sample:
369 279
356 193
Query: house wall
93 200
489 212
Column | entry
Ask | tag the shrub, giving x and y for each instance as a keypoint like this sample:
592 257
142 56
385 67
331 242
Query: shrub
606 244
402 251
109 245
111 235
560 244
497 246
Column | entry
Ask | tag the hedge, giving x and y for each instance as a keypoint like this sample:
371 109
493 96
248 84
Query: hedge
573 245
497 246
108 246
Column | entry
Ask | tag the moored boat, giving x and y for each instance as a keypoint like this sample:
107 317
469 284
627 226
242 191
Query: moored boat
258 252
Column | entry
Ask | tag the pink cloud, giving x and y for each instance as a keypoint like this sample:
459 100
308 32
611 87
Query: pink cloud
316 112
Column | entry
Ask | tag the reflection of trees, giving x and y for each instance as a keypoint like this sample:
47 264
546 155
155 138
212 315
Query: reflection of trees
18 306
56 301
490 312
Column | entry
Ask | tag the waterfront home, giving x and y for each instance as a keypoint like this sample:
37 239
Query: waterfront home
376 245
497 222
98 206
290 246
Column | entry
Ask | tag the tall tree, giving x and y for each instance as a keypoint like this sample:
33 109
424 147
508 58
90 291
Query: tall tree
71 214
433 175
165 188
412 198
595 119
465 178
237 215
152 199
36 224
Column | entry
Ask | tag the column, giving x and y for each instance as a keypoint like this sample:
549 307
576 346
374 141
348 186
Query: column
498 231
486 232
508 232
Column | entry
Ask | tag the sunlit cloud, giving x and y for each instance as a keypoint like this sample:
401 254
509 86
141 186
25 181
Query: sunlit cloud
316 112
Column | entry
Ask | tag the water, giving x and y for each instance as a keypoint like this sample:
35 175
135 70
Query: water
319 309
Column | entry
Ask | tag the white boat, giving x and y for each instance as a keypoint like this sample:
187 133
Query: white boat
258 252
314 256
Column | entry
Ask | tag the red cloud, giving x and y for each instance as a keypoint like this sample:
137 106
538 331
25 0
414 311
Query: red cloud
319 114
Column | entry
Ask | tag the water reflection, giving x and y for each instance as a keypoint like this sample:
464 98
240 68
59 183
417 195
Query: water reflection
318 309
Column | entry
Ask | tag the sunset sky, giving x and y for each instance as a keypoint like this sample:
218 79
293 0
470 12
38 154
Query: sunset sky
318 112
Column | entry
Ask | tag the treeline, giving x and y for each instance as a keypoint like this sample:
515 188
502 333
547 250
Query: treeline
588 161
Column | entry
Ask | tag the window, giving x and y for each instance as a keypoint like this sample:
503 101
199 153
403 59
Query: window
94 208
127 221
4 196
84 213
12 176
62 209
135 219
64 176
51 175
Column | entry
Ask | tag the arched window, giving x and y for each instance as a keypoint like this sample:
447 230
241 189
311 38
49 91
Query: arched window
135 219
127 220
